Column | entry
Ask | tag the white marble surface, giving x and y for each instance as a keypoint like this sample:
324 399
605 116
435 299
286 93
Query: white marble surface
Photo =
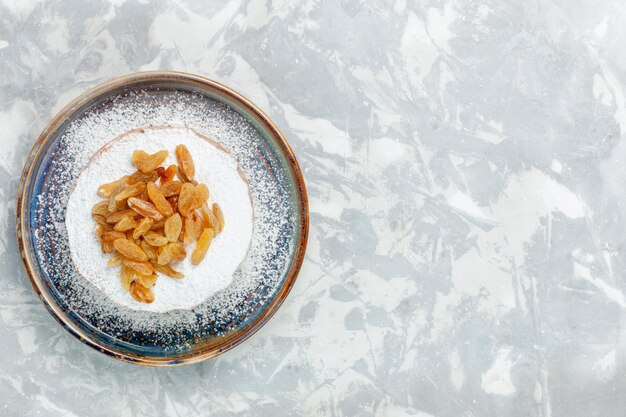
465 163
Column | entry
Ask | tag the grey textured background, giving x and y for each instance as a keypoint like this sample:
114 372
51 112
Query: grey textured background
465 166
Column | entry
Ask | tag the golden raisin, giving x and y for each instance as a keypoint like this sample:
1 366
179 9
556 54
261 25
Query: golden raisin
144 208
149 250
113 235
119 206
157 197
169 175
173 226
114 205
174 203
100 230
141 267
125 224
144 225
129 249
144 196
127 276
208 219
104 228
190 230
115 260
106 246
197 220
119 215
139 176
147 280
101 220
185 161
186 199
132 191
155 239
101 209
141 293
105 190
201 194
202 246
219 217
165 256
169 271
171 188
158 225
146 162
177 251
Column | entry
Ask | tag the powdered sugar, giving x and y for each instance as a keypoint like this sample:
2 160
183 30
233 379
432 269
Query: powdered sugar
276 217
215 168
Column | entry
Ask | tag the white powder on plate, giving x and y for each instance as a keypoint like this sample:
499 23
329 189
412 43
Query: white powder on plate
275 216
215 168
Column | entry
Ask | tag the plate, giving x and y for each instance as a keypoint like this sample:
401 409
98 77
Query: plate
277 190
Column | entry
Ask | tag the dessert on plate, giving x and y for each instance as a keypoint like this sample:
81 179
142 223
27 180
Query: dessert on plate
147 220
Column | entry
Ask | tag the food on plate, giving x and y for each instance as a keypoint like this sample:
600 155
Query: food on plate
153 218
